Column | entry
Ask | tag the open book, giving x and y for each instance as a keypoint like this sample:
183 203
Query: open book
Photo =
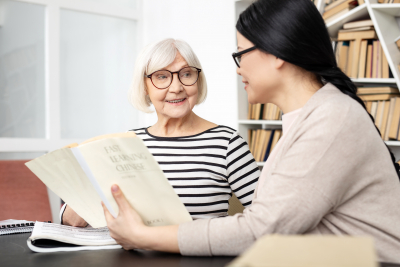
50 237
83 175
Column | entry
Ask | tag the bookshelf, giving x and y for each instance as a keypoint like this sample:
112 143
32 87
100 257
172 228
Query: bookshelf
387 27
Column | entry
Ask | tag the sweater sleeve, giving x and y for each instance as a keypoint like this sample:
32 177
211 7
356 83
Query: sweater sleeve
292 199
242 169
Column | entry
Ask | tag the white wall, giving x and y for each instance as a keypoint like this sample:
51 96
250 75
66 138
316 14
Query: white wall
209 28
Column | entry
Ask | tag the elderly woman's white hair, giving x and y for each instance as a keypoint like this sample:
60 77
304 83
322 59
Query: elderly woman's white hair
155 57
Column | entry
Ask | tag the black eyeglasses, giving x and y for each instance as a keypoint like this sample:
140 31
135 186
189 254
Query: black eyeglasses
237 57
162 79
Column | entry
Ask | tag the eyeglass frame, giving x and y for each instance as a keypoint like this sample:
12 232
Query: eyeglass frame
172 75
239 54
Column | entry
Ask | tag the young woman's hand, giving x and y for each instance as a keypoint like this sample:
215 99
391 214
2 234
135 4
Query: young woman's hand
129 230
70 217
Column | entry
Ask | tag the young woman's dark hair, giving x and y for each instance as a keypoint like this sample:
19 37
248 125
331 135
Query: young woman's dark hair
270 26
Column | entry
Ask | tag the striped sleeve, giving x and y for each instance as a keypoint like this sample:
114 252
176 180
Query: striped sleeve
242 169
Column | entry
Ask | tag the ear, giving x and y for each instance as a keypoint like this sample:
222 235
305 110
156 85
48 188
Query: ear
279 63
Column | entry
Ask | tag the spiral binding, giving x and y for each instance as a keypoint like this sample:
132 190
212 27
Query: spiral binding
17 228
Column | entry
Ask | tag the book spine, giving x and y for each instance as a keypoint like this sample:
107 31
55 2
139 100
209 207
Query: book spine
85 167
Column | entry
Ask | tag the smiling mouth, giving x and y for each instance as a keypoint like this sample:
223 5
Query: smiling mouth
176 100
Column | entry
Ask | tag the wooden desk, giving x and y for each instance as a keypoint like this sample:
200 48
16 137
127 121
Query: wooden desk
15 252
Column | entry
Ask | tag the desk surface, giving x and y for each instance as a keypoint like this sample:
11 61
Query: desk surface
15 252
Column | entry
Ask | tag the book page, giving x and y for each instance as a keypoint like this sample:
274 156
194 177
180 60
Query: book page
128 163
61 172
73 235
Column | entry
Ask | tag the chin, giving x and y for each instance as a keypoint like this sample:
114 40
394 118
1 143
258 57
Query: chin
252 100
177 115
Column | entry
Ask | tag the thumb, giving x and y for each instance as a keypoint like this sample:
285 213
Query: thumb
120 198
107 214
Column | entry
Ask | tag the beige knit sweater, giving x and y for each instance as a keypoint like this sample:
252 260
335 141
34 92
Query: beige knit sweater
332 175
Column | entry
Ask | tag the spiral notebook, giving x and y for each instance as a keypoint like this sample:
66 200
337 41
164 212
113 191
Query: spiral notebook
9 227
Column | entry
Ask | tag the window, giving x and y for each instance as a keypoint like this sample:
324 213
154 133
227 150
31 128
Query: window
65 70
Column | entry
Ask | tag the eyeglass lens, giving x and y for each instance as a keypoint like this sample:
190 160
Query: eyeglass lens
162 78
238 59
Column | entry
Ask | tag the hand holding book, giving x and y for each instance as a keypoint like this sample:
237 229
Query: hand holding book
129 230
71 218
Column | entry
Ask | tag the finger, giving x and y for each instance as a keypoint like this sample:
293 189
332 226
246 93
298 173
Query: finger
107 214
119 197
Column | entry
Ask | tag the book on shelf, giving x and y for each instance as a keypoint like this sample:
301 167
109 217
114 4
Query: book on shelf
358 24
262 142
82 176
385 110
50 237
394 123
367 28
362 57
267 111
388 1
338 8
380 97
377 90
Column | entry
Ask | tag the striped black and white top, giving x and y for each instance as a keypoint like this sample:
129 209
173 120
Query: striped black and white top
204 169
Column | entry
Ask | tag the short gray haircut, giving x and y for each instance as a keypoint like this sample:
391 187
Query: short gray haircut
155 57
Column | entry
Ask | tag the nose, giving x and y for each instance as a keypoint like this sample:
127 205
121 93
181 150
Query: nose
176 86
238 71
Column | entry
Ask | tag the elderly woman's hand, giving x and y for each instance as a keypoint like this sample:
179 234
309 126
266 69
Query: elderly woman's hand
130 232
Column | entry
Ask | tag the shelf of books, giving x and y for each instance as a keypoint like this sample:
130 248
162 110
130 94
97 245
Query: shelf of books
365 35
366 41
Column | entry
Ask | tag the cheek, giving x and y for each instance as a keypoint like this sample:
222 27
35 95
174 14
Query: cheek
155 94
192 92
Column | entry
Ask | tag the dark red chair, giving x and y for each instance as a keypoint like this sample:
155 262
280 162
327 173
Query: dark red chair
22 195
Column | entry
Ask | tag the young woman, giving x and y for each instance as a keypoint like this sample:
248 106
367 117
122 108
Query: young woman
331 173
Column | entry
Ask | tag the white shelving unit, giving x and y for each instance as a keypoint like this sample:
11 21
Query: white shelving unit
387 29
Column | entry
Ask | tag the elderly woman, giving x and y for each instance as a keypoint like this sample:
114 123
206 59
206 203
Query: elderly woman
203 161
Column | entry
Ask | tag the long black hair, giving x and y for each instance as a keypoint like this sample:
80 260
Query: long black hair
294 31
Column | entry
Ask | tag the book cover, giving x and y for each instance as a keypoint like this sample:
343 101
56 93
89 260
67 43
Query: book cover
268 135
378 97
350 61
377 90
360 23
277 136
338 15
83 175
268 148
384 118
374 107
375 58
368 73
348 4
385 65
394 124
379 113
334 4
356 58
343 55
368 105
358 29
390 116
363 59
